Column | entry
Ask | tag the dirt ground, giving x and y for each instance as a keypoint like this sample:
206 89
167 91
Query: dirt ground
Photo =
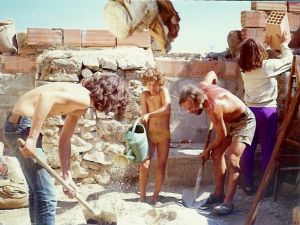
69 211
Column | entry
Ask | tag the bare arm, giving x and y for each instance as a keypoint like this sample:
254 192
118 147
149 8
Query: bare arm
221 132
65 149
43 107
211 78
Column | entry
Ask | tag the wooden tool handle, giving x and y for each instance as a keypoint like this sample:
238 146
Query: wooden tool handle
46 166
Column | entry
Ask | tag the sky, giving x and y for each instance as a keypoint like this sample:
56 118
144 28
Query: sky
204 25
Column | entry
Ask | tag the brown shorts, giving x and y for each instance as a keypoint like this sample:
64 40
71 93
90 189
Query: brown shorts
157 136
242 128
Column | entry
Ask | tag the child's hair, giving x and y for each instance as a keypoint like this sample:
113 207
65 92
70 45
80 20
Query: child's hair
252 54
193 92
108 92
153 74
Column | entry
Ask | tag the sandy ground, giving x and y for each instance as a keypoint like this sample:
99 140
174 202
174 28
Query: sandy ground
123 200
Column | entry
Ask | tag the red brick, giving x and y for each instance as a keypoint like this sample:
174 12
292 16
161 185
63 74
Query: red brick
139 39
17 64
176 68
44 36
294 7
277 23
269 5
294 21
72 37
255 33
97 38
23 47
253 19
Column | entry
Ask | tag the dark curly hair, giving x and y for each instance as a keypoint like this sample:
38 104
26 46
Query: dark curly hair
193 92
252 54
153 74
108 92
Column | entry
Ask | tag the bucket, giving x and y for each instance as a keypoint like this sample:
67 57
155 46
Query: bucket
137 146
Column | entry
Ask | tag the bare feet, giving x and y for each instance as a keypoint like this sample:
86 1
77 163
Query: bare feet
143 198
154 199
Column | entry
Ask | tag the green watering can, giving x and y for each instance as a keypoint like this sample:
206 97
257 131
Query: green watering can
136 144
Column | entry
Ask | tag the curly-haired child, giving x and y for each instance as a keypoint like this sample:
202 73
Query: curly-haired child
156 110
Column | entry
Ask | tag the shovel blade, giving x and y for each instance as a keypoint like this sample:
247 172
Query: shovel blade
189 199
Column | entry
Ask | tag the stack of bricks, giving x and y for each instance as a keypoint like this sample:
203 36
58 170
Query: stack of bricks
254 22
36 40
75 38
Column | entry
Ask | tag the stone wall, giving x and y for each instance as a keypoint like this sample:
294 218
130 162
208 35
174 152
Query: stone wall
98 137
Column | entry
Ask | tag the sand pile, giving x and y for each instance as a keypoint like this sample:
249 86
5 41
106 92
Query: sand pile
131 212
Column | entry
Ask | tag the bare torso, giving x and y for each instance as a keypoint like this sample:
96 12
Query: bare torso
153 103
222 100
69 99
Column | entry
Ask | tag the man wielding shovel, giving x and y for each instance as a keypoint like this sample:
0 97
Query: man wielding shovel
105 93
234 124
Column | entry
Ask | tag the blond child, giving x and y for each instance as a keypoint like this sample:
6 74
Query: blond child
156 109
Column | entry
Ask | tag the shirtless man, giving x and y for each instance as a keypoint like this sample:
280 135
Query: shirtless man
156 109
235 126
105 93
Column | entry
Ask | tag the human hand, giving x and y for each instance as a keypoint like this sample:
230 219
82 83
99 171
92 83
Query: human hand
145 118
28 148
72 185
205 154
268 39
284 38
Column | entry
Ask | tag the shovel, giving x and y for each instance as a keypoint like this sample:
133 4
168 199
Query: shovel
102 217
189 197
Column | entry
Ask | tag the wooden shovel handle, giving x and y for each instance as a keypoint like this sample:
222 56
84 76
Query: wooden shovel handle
46 166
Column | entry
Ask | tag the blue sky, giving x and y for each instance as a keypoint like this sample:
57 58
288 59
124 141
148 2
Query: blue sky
204 25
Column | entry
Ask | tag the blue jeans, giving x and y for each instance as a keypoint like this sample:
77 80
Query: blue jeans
42 199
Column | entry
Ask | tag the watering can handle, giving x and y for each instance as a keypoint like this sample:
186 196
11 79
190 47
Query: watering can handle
134 126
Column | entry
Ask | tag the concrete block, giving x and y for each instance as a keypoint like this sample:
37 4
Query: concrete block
231 71
44 37
17 64
139 39
97 38
293 6
182 168
199 68
294 21
8 100
276 24
269 5
255 33
72 37
253 19
173 68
